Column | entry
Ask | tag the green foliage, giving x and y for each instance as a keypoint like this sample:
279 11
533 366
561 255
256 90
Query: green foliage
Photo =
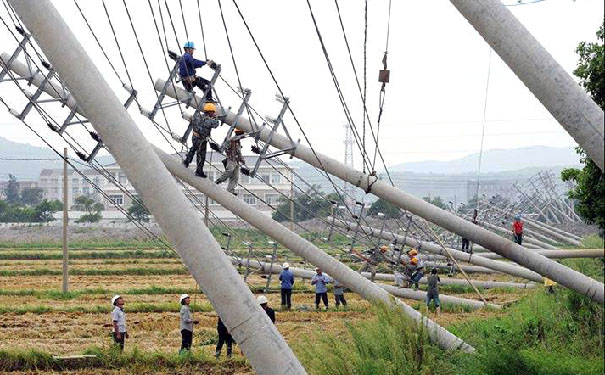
589 191
93 209
390 344
389 210
591 68
31 196
138 211
313 203
12 190
590 180
436 201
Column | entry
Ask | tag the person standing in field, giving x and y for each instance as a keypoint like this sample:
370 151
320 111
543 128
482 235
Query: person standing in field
518 230
118 317
433 291
223 337
339 293
287 282
321 287
262 301
187 323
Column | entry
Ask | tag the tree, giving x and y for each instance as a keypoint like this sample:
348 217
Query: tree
93 209
389 210
12 190
138 211
31 196
308 205
590 180
43 211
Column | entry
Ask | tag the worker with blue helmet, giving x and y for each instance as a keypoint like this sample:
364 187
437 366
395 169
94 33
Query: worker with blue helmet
187 67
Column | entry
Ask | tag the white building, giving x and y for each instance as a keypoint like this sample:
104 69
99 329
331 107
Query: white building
253 191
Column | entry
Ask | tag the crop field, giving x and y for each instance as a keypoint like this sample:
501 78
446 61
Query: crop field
38 321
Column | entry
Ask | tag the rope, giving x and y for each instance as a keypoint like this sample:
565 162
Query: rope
489 68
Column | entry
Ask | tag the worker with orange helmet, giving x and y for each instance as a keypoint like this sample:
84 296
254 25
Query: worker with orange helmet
417 265
201 125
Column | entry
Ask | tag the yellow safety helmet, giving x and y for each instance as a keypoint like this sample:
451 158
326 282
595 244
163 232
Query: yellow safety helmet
414 261
384 248
209 107
413 252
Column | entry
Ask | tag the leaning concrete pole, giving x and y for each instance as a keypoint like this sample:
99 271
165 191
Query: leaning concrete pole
252 330
563 275
540 72
351 279
477 260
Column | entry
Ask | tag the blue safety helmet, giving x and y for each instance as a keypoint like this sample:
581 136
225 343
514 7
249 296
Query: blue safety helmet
189 45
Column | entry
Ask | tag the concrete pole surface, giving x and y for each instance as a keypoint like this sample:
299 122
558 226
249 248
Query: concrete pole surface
307 250
540 72
258 338
436 249
561 254
557 272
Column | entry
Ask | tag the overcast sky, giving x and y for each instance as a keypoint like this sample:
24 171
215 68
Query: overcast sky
434 101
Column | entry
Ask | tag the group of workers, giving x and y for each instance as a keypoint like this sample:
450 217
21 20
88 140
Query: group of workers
202 124
120 332
319 280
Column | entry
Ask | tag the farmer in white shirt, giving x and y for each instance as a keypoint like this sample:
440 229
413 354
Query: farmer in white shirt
118 317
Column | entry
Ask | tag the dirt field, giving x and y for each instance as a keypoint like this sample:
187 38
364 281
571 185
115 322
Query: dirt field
34 315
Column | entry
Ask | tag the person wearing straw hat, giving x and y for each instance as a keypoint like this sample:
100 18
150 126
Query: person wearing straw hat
118 318
187 323
287 282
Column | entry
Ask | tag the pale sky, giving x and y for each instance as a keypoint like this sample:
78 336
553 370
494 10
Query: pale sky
438 62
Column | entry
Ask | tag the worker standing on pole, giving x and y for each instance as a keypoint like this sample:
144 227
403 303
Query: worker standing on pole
202 126
187 67
187 323
118 317
518 229
234 158
287 282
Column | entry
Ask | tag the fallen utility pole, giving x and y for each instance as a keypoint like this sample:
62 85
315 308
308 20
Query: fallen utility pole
351 279
371 184
436 249
258 338
540 72
561 254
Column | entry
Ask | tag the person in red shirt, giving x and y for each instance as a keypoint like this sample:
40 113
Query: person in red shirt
518 230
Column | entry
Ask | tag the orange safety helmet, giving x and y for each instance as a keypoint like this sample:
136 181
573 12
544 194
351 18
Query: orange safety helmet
413 252
414 261
384 248
209 107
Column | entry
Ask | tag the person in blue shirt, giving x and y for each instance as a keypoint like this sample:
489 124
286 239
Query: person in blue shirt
187 67
287 282
321 287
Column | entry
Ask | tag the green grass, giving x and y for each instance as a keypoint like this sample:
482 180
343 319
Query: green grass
97 272
129 361
546 334
123 254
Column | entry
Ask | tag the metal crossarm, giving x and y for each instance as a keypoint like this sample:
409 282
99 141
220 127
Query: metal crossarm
162 94
16 53
262 152
33 99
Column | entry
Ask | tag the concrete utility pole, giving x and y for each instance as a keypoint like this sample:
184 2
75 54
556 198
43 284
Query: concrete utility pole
351 279
543 76
65 222
557 272
258 338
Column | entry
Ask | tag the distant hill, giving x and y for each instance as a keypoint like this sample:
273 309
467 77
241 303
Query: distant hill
497 161
29 169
